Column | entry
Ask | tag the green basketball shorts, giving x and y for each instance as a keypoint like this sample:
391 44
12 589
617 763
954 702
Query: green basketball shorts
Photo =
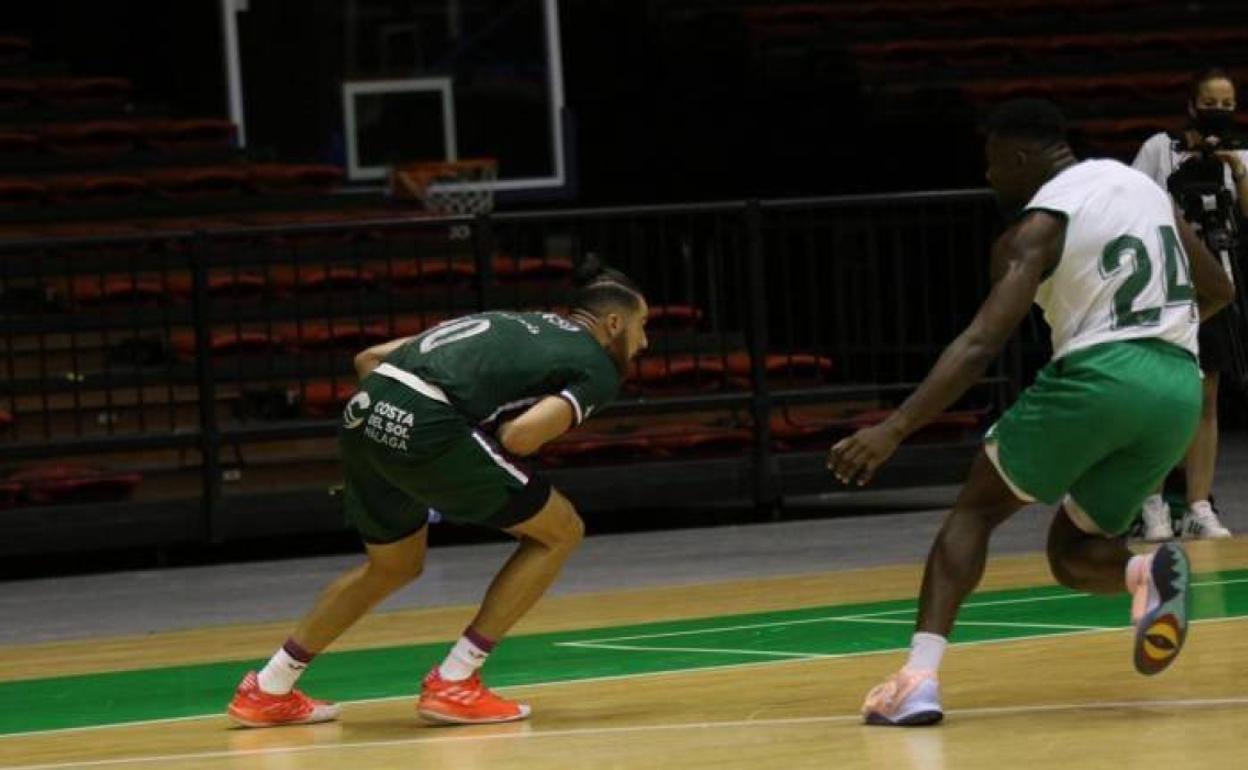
405 451
1103 426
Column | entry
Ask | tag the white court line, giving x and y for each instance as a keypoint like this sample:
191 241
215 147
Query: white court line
861 616
466 736
647 674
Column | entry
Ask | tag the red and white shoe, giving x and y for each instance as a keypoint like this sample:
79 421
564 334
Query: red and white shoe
253 707
467 702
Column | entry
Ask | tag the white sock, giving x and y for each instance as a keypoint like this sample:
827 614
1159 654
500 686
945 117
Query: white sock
463 661
279 675
926 651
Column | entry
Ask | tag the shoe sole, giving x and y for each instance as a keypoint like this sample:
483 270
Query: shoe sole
439 718
917 719
241 722
1161 633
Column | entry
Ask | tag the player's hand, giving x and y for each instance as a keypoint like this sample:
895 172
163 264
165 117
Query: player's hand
855 459
1233 160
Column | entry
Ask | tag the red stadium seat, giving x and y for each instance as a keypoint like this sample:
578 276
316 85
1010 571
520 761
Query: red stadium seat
683 440
333 335
420 272
412 325
230 342
673 318
13 49
10 494
295 179
16 93
190 135
58 483
597 448
19 143
195 183
101 188
84 91
532 268
802 366
324 398
679 369
21 192
315 278
124 289
6 419
943 426
96 138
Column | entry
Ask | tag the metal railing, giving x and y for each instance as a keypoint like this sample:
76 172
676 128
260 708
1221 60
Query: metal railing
194 354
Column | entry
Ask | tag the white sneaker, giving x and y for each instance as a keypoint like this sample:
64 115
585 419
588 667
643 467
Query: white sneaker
1202 522
1156 515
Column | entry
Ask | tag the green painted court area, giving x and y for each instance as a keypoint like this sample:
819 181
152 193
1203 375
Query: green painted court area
184 691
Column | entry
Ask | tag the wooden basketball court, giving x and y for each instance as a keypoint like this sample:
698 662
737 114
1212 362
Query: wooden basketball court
759 674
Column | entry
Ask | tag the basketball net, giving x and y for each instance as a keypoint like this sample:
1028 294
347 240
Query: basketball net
450 188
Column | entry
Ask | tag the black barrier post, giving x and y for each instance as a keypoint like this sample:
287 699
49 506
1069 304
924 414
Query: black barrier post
483 254
209 433
766 492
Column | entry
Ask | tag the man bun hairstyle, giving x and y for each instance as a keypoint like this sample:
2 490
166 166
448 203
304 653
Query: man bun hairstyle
1036 120
601 290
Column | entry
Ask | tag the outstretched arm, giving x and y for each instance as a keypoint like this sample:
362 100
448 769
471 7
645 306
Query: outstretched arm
1021 258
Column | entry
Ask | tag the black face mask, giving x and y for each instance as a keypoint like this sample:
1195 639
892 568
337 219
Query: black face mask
1217 123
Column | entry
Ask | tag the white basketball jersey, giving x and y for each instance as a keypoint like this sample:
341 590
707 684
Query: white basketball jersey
1123 274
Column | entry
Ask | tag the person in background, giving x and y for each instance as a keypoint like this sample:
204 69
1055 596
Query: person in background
1211 116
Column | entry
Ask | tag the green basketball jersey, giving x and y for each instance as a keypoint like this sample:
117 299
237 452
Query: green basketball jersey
498 362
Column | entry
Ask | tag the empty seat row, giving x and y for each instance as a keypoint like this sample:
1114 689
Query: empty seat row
18 93
104 138
171 183
1186 40
58 483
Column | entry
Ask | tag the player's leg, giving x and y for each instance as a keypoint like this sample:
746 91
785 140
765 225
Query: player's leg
955 565
474 483
392 524
389 567
1202 456
1086 547
546 542
1038 447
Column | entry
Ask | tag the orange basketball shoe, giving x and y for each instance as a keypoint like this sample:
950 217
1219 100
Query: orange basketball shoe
467 702
253 707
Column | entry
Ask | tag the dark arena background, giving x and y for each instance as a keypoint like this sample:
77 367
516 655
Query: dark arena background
209 207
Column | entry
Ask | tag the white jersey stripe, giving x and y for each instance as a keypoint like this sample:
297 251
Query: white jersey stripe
426 389
500 460
576 406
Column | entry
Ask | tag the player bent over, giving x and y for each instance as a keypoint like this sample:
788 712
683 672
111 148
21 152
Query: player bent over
1098 246
412 439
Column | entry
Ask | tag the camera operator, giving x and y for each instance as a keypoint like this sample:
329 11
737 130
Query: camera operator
1211 121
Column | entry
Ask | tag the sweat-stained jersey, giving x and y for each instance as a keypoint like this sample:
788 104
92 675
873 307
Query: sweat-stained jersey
500 362
1123 274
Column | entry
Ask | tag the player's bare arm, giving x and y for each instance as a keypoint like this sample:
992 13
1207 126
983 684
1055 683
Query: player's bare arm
541 423
368 360
1214 289
1021 258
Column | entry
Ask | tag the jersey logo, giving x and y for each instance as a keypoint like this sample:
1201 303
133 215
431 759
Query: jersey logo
350 418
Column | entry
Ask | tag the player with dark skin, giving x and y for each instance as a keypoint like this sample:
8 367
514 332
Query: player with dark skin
1021 260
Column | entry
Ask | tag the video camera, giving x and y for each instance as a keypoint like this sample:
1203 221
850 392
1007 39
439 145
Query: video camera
1199 187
